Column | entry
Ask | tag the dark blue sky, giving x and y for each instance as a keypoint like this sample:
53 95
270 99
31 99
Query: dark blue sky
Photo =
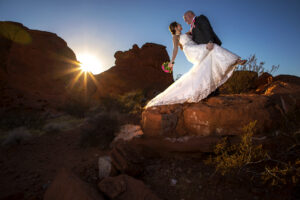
268 28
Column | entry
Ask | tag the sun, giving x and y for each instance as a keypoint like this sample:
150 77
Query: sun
90 63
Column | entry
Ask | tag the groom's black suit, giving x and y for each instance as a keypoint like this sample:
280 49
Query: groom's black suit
202 33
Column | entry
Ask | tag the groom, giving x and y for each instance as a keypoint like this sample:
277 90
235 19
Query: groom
201 30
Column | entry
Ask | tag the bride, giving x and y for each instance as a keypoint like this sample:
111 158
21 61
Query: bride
213 65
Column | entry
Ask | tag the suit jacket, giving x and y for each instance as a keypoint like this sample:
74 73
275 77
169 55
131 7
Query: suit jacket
203 32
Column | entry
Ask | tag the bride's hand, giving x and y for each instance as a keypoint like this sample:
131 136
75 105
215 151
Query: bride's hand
210 46
170 65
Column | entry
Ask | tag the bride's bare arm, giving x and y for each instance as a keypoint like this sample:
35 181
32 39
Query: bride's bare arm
175 47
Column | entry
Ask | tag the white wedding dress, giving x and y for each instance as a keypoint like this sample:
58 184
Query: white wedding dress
210 70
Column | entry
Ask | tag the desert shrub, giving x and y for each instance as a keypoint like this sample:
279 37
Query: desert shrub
99 130
282 173
254 160
130 103
284 166
76 105
253 65
239 82
109 103
229 158
17 136
54 127
75 108
27 118
62 123
244 78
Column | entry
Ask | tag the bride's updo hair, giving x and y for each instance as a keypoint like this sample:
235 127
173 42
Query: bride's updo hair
172 27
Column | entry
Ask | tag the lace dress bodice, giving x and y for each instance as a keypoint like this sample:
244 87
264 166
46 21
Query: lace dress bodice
186 39
194 52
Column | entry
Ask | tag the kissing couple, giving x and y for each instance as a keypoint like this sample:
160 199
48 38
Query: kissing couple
212 64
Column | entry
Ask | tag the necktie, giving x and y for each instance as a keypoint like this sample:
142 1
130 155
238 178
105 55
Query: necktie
192 25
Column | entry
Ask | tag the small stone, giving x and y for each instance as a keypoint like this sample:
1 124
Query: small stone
46 185
104 165
173 182
188 181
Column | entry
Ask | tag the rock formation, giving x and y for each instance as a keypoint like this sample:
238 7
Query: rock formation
66 186
226 114
38 70
137 68
124 187
36 67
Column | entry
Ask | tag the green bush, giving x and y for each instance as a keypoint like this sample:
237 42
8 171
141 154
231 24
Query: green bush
129 103
239 82
244 78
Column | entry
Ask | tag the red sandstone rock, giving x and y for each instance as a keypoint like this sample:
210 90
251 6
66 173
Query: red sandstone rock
229 115
124 187
67 186
136 69
226 114
128 158
262 82
35 65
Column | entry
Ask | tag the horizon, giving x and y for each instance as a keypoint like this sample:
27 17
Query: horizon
269 29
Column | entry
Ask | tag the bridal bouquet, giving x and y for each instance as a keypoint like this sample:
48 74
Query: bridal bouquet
165 67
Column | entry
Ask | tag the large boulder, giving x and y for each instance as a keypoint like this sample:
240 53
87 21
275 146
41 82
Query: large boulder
124 187
67 186
136 69
224 114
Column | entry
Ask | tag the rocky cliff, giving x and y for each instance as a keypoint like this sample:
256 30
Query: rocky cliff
35 67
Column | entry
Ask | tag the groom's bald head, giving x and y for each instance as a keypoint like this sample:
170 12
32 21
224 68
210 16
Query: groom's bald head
188 16
189 12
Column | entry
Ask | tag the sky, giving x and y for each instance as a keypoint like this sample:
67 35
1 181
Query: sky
270 29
